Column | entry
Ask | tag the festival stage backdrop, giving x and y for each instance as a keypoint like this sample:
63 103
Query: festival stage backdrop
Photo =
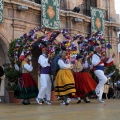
97 20
1 11
50 14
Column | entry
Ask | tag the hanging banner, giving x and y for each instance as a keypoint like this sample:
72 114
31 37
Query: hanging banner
1 11
97 20
50 14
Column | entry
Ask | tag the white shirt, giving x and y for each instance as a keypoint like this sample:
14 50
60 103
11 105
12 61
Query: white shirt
16 67
110 60
96 60
43 61
85 65
63 65
28 67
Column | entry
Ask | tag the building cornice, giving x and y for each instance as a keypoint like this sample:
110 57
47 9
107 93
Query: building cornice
86 18
28 3
70 14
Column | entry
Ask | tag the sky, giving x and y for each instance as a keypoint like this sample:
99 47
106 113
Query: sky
117 6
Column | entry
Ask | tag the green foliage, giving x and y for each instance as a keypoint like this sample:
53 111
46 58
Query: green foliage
12 76
10 72
116 75
11 51
11 86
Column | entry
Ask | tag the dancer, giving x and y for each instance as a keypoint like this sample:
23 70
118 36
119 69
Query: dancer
1 76
26 87
1 73
99 62
64 80
45 79
54 66
84 83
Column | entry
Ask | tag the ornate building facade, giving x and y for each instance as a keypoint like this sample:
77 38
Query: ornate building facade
19 21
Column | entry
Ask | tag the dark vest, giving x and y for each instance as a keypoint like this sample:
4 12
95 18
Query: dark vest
45 70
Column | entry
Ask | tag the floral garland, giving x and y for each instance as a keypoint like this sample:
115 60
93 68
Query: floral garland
86 45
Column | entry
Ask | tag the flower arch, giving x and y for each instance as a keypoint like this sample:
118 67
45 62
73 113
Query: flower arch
39 38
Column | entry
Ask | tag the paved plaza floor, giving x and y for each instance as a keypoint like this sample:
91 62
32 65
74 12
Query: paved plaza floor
110 110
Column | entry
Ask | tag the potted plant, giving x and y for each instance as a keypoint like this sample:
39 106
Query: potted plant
12 76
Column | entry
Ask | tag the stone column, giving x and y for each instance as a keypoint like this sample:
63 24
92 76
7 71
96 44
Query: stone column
99 3
112 8
71 4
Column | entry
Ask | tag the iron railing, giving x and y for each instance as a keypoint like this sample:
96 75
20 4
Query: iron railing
84 8
36 1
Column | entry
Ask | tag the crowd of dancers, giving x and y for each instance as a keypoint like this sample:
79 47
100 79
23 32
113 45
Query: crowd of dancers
70 80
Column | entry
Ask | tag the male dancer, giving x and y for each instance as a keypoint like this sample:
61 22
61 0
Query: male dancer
98 63
45 79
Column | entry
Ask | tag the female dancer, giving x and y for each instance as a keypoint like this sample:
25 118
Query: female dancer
64 80
84 83
26 87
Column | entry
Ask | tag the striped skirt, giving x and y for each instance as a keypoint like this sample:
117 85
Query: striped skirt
64 83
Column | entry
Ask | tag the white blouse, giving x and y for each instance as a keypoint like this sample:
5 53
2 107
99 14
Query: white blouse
85 65
63 65
28 67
